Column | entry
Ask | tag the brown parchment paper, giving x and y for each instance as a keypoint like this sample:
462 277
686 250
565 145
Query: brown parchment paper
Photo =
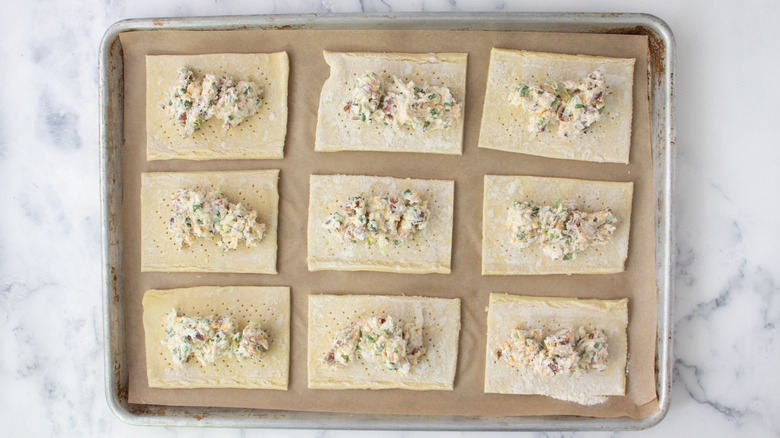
308 71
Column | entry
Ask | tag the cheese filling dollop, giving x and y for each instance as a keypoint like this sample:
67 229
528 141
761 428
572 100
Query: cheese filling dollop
378 340
381 219
561 231
190 101
566 351
574 105
211 337
197 213
397 103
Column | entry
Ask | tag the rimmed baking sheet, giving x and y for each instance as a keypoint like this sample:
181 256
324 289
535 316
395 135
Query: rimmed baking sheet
649 259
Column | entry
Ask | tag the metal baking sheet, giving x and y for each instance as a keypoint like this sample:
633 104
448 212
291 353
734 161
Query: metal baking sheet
661 69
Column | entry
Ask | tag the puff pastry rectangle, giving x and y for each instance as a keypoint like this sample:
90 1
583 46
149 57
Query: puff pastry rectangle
504 127
501 257
507 312
336 131
256 189
438 317
259 136
270 306
427 251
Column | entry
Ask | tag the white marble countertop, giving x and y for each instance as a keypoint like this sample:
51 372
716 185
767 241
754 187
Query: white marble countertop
727 298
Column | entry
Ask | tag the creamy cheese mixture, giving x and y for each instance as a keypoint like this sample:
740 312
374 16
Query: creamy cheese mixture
561 231
197 213
575 105
211 337
566 351
190 101
398 104
380 341
381 219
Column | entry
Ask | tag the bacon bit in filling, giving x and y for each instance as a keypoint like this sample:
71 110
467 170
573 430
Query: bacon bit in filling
575 105
561 231
566 351
191 102
381 219
380 341
400 104
212 337
197 213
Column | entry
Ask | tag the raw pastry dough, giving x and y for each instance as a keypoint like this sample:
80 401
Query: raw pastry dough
440 321
427 251
504 127
259 136
256 189
501 257
506 312
336 131
270 306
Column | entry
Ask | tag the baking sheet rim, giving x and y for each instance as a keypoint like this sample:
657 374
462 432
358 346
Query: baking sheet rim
662 131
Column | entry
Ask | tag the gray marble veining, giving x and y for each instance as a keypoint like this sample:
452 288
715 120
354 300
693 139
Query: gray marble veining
727 298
